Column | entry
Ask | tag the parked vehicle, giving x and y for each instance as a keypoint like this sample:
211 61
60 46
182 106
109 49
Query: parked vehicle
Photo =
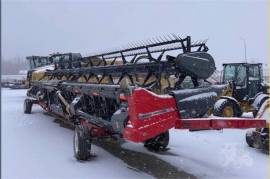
134 93
248 90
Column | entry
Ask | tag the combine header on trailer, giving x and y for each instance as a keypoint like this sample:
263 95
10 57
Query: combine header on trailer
136 93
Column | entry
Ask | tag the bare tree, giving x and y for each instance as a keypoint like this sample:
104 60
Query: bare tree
12 66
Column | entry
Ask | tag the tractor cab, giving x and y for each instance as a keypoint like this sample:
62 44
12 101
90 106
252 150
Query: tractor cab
66 60
40 64
246 77
37 61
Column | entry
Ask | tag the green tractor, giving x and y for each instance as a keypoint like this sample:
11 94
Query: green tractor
248 91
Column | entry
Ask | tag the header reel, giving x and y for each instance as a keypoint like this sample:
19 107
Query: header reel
154 64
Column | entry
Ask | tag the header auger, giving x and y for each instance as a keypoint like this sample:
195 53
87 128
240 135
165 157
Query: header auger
134 93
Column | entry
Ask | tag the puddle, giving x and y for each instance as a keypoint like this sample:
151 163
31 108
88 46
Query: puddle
143 162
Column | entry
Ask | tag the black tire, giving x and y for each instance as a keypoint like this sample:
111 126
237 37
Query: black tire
258 106
221 104
265 140
82 143
250 138
265 146
255 113
158 143
27 106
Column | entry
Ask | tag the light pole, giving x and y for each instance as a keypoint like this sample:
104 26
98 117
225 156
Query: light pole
245 47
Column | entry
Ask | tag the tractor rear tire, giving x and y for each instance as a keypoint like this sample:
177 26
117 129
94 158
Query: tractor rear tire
158 143
82 143
27 106
226 108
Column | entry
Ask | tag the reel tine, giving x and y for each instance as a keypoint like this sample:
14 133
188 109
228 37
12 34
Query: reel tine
157 44
176 37
165 38
138 44
161 39
152 42
149 42
169 36
156 39
134 45
144 43
179 38
129 45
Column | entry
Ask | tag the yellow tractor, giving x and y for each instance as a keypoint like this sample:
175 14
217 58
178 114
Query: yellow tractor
40 64
248 91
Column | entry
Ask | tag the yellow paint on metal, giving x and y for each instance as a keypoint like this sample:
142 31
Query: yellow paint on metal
228 111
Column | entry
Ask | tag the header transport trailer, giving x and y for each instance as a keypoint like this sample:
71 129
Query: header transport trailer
134 93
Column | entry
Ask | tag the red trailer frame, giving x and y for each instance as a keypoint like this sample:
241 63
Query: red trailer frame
151 115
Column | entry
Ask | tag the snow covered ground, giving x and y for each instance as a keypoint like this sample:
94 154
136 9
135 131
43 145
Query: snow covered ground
33 146
213 154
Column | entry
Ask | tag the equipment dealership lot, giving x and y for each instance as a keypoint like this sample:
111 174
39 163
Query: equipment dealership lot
33 146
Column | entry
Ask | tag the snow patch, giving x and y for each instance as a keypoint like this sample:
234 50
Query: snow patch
33 146
200 96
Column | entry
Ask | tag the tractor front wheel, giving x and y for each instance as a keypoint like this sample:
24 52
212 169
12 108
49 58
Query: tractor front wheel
226 108
82 143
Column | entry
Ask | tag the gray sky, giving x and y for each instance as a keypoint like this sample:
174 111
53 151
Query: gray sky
43 27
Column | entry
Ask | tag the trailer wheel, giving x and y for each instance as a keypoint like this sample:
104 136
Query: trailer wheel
265 146
226 108
265 140
250 138
158 143
82 143
27 106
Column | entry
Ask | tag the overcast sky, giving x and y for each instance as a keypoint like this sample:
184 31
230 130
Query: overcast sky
43 27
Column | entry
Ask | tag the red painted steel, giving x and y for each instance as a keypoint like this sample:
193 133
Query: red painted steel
95 130
152 108
151 115
219 123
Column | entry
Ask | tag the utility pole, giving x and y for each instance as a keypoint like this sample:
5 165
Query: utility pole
245 48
